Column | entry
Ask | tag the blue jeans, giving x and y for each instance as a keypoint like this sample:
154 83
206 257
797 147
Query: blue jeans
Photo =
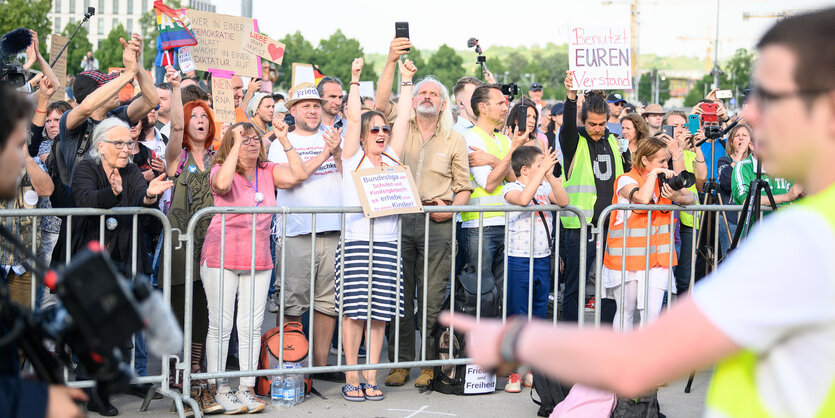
492 251
571 251
685 260
724 241
518 286
141 355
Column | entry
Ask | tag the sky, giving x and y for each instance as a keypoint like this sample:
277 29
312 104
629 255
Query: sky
452 22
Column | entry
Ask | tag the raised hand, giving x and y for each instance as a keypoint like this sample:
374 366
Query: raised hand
488 77
398 47
550 160
356 69
519 138
407 70
48 88
159 185
238 136
129 55
158 165
568 83
172 76
115 180
254 85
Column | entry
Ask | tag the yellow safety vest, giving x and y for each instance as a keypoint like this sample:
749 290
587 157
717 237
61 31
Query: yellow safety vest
733 391
479 196
579 183
689 160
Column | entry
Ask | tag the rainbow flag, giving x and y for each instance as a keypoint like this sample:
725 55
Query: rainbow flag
174 27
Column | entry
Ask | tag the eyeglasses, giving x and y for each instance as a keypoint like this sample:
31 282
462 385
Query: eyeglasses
121 144
248 139
374 130
765 97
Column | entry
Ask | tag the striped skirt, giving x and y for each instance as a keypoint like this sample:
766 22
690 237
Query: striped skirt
385 295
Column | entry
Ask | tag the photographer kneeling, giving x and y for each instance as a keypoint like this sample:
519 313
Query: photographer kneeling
20 397
644 184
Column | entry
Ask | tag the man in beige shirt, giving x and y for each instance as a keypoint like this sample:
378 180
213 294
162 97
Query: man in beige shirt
437 156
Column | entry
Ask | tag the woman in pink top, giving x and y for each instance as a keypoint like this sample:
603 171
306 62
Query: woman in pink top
241 176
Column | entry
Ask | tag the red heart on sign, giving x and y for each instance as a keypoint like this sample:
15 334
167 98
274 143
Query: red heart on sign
275 51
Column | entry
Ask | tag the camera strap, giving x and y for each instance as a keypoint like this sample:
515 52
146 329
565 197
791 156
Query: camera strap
544 224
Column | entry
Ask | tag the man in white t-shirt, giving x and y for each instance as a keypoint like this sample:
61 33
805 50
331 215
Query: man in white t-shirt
323 187
767 314
490 107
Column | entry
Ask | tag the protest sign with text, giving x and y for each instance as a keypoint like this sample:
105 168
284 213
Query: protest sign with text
223 101
263 46
219 40
302 73
56 42
185 60
599 57
387 191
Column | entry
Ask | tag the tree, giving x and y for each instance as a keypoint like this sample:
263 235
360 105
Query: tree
646 87
110 50
739 68
301 50
445 64
335 55
551 74
77 48
702 87
30 14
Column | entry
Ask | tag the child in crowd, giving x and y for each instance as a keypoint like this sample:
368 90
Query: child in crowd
535 184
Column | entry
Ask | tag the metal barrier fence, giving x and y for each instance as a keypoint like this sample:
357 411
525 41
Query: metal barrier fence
223 212
70 215
603 222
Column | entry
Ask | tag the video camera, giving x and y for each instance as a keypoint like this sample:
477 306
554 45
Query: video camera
11 44
683 180
98 313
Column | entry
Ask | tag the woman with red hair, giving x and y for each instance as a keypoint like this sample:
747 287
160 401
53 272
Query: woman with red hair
188 163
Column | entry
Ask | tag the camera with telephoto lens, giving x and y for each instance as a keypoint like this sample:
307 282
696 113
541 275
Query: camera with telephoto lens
98 312
683 180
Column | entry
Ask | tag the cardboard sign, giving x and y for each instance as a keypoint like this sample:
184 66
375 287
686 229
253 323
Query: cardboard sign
223 100
265 47
477 381
185 60
599 57
56 42
387 191
302 73
219 40
367 89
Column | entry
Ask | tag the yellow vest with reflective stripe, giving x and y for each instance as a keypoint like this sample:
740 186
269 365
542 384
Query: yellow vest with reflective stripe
479 196
733 390
582 192
689 159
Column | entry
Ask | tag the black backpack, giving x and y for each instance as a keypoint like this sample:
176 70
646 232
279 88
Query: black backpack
551 393
466 289
641 407
447 379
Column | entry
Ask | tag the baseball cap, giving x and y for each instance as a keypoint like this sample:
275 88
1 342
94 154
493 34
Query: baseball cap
615 98
88 81
536 86
557 108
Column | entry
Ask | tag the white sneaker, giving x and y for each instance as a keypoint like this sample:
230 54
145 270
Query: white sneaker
248 400
230 403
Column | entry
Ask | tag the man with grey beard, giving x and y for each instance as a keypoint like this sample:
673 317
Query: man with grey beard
437 157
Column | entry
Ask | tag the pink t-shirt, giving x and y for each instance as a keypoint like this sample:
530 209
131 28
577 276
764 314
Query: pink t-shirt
238 239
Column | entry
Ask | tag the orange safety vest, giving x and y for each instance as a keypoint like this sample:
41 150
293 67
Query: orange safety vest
660 238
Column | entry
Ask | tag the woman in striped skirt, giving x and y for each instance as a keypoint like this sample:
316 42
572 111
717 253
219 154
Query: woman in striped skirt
367 144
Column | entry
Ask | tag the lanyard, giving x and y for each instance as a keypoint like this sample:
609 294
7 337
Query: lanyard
259 197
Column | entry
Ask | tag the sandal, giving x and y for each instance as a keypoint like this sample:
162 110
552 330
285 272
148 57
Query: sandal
365 387
351 388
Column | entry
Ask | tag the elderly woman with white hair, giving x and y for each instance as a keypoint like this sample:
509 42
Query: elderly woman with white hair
107 179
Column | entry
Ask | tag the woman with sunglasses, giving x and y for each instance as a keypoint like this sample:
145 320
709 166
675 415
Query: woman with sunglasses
369 143
241 176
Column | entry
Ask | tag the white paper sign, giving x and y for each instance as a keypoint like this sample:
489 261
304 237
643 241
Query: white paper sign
477 380
387 191
367 89
185 60
302 73
600 57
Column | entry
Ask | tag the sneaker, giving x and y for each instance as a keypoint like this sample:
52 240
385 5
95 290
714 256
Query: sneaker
528 380
590 304
207 399
513 384
425 376
250 401
272 303
230 403
397 377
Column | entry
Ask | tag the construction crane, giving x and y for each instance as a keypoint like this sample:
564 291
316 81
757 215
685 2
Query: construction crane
782 14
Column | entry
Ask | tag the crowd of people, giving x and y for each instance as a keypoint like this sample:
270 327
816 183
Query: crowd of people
164 149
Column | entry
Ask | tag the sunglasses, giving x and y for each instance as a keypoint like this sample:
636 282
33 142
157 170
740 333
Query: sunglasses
374 130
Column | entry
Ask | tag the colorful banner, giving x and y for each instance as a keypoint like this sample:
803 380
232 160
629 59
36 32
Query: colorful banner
174 27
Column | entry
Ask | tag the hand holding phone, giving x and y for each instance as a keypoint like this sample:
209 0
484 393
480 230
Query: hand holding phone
401 30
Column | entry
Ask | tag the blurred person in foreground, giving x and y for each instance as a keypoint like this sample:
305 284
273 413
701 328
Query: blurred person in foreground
770 362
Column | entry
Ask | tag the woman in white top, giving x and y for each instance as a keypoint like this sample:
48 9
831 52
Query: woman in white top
367 144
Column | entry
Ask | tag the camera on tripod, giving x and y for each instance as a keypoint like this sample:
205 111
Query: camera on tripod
683 180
